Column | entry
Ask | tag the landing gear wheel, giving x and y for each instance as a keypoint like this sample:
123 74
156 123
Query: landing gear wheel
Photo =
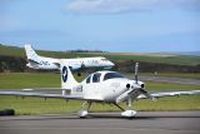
128 113
83 114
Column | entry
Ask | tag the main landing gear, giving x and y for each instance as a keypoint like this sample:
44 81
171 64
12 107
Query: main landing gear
126 113
84 113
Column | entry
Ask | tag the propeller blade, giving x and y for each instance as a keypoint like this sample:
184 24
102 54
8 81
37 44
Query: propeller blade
136 72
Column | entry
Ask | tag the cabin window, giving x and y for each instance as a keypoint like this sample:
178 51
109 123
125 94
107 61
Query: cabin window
112 75
96 77
88 79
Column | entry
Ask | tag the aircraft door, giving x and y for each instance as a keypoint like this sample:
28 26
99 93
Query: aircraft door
93 86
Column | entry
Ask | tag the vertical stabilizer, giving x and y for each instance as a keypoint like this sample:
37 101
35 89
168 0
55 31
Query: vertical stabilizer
67 79
30 53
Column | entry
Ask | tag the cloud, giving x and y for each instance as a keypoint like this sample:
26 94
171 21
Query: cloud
122 6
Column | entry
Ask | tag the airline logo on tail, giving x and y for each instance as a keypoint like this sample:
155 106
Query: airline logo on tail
67 79
64 74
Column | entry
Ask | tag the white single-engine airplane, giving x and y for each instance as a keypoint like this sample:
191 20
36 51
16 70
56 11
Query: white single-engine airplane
101 86
46 63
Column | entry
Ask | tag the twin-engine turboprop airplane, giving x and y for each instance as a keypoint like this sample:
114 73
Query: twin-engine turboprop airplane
46 63
102 86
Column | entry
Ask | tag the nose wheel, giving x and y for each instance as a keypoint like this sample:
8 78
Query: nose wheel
128 113
83 113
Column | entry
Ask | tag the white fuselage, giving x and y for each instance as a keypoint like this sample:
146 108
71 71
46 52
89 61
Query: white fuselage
74 63
77 63
109 90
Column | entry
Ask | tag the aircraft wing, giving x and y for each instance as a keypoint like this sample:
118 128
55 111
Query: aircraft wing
43 95
169 94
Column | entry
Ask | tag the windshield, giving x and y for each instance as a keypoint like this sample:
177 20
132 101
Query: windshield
112 75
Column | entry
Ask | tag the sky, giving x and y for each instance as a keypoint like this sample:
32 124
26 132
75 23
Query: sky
108 25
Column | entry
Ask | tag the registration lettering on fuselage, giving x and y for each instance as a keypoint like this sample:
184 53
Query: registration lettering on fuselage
78 88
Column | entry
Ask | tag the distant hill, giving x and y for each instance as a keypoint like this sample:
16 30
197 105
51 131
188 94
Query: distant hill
189 53
194 53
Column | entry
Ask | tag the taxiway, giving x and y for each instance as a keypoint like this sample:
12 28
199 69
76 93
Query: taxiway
104 123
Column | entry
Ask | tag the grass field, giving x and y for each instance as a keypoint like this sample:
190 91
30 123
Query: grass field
29 106
30 80
175 60
178 75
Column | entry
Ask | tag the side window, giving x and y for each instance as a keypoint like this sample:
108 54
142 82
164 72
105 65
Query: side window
88 79
96 77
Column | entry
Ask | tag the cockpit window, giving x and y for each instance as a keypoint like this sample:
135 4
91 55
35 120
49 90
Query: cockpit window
96 77
88 79
112 75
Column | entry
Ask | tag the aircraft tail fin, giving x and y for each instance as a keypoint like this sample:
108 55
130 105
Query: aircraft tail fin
30 53
67 79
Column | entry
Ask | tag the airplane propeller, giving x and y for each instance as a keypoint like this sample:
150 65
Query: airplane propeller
136 72
142 90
